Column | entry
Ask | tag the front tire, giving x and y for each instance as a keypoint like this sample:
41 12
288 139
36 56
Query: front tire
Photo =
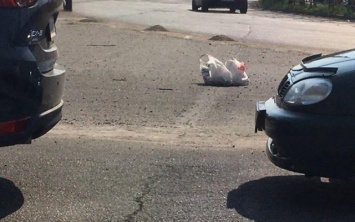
68 5
244 7
204 6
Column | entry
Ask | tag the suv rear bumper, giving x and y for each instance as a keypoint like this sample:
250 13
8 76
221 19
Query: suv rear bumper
37 119
35 127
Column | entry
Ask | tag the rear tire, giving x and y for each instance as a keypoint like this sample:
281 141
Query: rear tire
204 6
194 6
232 10
68 5
244 7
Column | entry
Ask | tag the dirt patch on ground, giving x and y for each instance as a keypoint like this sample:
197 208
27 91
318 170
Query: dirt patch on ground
156 28
178 135
89 20
221 38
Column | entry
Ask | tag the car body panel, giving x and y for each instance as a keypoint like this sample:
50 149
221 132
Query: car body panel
242 5
31 83
218 3
317 139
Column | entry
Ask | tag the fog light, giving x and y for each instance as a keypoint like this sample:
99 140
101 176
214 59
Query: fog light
13 126
273 149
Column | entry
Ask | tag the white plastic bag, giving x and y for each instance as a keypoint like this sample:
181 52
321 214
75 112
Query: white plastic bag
239 76
214 72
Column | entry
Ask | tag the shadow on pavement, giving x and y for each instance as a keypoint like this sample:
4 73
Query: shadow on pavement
11 198
293 198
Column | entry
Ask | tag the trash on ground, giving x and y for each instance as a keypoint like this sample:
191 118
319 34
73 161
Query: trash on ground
214 72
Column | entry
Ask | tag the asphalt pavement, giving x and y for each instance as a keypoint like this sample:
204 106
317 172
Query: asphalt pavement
142 139
306 33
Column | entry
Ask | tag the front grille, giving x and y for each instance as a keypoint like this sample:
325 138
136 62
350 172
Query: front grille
284 86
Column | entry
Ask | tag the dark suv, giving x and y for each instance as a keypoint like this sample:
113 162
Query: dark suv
233 5
31 83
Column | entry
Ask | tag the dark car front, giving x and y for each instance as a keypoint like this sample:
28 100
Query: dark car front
310 122
31 83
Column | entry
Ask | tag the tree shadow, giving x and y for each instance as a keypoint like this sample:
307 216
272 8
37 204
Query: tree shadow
293 198
11 198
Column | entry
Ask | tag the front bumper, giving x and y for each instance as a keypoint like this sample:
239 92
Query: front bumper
322 145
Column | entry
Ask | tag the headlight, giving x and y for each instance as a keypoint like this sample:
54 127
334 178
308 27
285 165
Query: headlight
308 91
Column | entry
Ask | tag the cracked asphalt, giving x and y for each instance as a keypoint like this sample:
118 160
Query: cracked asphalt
142 139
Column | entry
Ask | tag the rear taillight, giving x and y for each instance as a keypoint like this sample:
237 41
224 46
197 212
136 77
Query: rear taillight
16 3
13 126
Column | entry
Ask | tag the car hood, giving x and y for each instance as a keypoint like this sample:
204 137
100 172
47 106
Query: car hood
318 65
330 60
